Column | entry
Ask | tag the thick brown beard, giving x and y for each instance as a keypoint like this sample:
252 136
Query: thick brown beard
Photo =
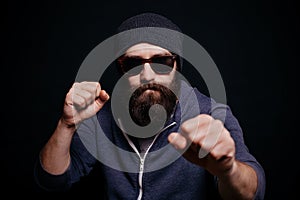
148 95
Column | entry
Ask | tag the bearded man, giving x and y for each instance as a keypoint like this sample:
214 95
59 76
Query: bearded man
157 137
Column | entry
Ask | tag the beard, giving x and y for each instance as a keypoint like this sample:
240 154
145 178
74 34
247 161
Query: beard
148 95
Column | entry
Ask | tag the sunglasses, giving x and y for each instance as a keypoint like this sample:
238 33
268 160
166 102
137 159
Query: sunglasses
159 64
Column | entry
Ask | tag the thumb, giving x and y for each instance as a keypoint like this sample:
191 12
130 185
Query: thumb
101 100
178 141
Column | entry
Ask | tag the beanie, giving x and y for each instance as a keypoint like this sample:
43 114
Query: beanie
149 28
147 20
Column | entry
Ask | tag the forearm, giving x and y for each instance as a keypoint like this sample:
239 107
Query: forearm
239 183
55 156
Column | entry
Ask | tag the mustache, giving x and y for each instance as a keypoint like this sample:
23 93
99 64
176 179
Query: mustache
151 86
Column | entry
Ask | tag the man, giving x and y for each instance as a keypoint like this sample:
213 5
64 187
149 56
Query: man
207 159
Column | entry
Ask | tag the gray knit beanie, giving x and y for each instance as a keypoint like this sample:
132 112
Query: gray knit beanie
149 28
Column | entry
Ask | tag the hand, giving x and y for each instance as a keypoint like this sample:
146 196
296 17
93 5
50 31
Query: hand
211 147
83 101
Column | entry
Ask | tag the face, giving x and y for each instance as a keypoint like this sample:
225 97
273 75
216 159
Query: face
151 81
147 73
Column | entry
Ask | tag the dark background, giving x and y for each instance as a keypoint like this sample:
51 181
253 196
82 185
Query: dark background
253 43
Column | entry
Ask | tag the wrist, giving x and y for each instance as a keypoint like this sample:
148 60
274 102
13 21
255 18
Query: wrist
66 123
63 124
240 182
64 131
230 173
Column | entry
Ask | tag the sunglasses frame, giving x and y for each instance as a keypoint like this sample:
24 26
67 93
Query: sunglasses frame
126 70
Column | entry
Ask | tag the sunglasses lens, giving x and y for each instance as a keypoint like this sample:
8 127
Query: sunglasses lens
129 65
163 64
165 60
161 68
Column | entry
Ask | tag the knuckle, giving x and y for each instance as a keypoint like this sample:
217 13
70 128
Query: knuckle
88 95
184 127
75 84
80 102
231 140
69 95
218 123
213 153
205 117
228 138
98 85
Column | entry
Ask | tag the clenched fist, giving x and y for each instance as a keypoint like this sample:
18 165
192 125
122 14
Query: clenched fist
211 147
83 101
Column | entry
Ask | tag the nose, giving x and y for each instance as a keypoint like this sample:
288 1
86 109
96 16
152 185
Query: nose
147 74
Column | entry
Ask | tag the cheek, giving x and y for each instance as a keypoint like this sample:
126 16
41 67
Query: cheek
165 80
134 81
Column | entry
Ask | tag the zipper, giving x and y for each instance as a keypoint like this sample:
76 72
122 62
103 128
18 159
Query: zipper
142 158
141 178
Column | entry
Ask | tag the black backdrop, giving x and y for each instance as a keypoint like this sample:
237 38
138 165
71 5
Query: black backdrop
253 43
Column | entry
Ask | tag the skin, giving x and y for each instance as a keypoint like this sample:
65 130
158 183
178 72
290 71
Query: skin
236 179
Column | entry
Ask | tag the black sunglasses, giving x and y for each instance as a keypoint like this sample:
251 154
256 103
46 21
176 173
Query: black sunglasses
159 64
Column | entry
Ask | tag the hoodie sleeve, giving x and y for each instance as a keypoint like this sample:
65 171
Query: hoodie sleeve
81 164
243 154
224 113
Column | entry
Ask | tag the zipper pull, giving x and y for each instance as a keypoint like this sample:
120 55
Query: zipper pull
142 165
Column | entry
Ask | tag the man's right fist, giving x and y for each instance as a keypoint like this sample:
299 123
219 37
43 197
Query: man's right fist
83 101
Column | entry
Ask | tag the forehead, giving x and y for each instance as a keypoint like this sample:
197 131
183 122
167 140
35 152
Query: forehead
144 49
